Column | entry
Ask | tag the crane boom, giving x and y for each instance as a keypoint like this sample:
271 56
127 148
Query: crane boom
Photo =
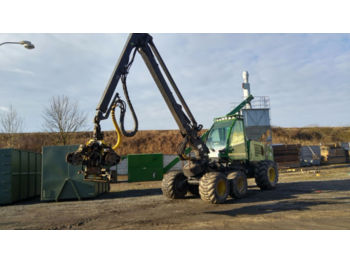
143 43
189 129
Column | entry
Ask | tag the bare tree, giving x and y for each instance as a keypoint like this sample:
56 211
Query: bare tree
63 116
10 123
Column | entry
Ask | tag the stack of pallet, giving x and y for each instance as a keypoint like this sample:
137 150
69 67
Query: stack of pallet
333 155
287 155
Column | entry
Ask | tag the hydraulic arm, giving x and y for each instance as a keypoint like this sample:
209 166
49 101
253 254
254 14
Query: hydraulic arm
96 154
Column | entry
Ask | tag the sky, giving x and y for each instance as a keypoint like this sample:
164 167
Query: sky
306 76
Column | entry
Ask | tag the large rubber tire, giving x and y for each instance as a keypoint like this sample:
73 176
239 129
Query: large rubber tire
214 187
174 185
266 175
193 189
238 184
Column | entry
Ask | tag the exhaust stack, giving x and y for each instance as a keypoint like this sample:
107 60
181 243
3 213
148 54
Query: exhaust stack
246 87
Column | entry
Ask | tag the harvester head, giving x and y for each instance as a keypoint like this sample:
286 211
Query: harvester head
95 157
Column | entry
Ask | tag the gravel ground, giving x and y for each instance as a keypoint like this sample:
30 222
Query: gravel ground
303 200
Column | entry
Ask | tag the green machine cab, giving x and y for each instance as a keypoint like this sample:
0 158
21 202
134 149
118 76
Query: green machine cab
227 140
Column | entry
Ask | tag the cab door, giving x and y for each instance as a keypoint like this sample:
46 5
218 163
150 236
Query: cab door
237 145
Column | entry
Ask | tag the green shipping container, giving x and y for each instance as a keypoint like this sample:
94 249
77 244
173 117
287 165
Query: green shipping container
19 175
61 181
145 167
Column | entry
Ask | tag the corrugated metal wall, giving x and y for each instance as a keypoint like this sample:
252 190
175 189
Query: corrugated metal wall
61 181
19 175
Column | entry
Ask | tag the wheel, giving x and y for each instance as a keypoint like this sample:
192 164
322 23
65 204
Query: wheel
174 185
193 189
238 184
214 187
266 175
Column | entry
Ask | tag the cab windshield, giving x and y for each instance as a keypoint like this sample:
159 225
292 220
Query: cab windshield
217 138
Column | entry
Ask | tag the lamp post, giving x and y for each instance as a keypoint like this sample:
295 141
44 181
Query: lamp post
26 44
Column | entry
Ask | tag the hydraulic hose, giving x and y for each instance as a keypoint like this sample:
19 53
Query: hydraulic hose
136 124
117 129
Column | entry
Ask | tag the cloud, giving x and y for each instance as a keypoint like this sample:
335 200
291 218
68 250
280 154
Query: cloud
305 75
3 108
18 71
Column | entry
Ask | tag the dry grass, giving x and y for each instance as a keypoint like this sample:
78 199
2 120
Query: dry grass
311 135
167 141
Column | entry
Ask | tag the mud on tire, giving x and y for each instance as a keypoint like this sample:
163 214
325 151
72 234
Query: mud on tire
174 185
266 175
238 184
214 187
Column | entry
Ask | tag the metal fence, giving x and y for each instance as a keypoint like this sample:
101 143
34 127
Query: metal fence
259 102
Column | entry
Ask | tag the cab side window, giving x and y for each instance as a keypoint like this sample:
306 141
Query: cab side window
237 133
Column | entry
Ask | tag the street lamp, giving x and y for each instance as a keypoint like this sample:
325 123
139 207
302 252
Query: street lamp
26 44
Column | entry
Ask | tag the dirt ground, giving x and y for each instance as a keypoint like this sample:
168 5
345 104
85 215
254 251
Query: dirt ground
302 200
